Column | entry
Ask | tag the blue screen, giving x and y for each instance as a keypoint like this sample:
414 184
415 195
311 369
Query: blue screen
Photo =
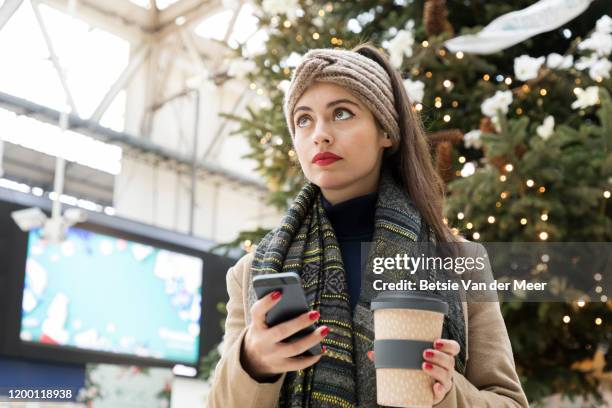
103 293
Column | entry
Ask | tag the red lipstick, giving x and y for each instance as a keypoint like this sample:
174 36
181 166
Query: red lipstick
325 158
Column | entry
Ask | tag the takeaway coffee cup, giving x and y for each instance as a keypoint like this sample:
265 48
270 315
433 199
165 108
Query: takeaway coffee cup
405 324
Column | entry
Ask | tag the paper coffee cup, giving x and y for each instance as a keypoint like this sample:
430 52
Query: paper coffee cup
405 324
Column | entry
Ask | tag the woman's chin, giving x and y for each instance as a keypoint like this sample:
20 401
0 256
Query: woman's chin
328 180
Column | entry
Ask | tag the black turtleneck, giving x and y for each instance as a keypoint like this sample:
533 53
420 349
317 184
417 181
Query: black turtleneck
353 223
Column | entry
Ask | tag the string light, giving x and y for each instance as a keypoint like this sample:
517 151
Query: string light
476 235
425 44
445 221
542 189
509 167
459 55
455 231
544 217
329 7
315 36
508 80
321 12
486 77
523 221
597 276
566 319
291 153
580 303
447 118
503 195
598 289
491 219
418 107
525 88
447 83
287 24
438 104
598 321
299 38
461 159
498 204
252 86
606 194
502 178
455 104
469 225
460 215
543 92
428 74
543 235
442 52
519 111
530 183
604 298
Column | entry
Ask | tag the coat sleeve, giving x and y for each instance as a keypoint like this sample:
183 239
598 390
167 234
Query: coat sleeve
232 386
490 378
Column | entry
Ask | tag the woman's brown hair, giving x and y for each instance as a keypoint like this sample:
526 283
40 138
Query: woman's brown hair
412 163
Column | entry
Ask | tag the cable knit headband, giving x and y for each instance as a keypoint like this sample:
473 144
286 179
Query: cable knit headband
360 75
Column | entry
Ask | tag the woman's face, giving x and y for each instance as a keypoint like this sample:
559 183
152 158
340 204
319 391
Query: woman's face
329 119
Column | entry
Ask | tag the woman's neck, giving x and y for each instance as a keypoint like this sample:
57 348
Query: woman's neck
366 185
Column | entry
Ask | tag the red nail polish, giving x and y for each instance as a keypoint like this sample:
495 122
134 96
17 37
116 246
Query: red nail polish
370 354
325 331
275 295
428 366
429 353
439 345
324 349
314 315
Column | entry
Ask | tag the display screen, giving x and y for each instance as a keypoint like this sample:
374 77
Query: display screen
103 293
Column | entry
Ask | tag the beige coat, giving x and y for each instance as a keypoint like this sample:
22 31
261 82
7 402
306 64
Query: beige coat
490 379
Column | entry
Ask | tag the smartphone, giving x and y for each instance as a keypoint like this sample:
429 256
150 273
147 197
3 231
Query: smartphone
292 303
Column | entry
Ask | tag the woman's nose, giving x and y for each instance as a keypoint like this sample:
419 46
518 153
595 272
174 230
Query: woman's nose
322 134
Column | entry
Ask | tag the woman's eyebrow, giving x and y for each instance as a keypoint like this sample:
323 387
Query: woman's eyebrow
329 105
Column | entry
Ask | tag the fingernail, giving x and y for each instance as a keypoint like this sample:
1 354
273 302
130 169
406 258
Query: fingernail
275 295
314 315
370 355
438 345
429 353
428 366
325 331
324 349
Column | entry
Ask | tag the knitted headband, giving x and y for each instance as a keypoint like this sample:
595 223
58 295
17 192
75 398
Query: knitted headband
362 76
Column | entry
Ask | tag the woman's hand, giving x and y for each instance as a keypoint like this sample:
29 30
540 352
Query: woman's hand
439 364
264 354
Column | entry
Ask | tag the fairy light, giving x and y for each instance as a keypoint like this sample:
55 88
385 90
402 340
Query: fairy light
287 24
291 153
491 219
418 107
329 7
460 215
606 194
508 81
252 86
544 217
598 289
442 52
543 235
315 36
566 319
425 44
598 321
597 276
447 83
469 225
542 189
519 111
604 298
447 118
321 12
502 178
525 88
543 91
459 55
445 221
530 183
299 38
523 221
503 195
428 74
580 303
461 159
476 236
438 104
455 231
498 204
486 77
455 104
508 167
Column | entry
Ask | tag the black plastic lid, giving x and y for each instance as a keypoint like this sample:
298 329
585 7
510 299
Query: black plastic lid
397 299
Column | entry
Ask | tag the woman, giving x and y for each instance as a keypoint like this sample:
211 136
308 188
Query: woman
371 179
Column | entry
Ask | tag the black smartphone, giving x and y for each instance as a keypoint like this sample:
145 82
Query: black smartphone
291 305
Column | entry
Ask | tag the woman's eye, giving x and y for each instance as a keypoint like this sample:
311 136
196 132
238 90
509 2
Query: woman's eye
302 121
342 114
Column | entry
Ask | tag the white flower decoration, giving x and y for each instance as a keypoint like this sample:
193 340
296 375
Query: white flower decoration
600 69
586 97
526 68
415 90
546 129
276 7
558 61
472 139
400 46
498 102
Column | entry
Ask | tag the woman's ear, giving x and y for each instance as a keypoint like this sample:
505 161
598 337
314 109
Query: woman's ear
386 139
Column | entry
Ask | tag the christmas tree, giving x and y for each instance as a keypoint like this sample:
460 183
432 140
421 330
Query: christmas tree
521 134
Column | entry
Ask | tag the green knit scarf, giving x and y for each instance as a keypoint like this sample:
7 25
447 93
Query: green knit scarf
305 243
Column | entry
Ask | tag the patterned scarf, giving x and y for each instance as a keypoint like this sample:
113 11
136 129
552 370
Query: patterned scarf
305 243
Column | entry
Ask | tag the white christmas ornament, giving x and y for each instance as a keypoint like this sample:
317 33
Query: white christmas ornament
472 139
517 26
401 45
276 7
239 68
599 42
546 129
558 61
526 68
498 102
600 69
604 25
586 97
415 90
